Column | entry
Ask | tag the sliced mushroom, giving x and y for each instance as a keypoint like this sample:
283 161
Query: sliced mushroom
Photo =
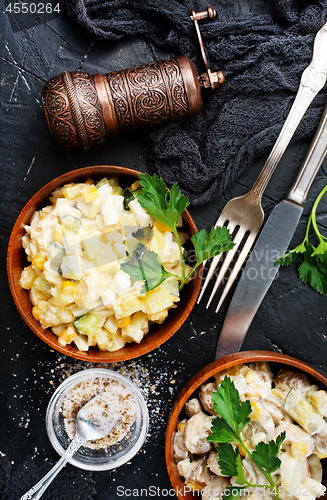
197 430
275 413
180 450
192 407
195 472
315 468
290 379
205 396
215 488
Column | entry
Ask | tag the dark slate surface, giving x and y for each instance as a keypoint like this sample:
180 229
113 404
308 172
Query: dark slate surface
292 318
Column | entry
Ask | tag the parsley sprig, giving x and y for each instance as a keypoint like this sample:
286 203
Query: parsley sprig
167 206
313 260
227 428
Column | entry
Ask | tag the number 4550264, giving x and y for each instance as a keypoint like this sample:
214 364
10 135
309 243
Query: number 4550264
32 8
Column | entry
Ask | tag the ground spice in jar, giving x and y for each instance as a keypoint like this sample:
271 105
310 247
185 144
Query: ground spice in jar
118 402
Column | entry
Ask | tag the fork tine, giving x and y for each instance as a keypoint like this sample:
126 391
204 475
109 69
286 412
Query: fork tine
228 259
214 262
238 264
212 268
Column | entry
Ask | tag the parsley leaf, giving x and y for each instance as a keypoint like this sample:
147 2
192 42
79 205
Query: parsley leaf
229 461
293 256
208 245
313 261
313 270
221 432
226 402
228 458
154 200
227 428
167 207
265 454
147 269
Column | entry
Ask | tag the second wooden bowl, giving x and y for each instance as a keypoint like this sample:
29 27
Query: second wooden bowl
276 361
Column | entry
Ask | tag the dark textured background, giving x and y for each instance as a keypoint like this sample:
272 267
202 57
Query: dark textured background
292 318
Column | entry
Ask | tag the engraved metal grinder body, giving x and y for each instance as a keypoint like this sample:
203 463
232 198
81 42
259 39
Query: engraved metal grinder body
84 110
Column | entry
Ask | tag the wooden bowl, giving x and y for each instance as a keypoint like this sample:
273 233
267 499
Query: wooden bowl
276 360
16 261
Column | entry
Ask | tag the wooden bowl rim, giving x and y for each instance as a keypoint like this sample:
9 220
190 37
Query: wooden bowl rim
153 339
202 376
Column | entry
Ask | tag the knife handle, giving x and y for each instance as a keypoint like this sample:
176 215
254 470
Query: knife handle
313 159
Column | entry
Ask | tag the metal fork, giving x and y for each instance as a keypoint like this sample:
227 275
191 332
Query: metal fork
244 214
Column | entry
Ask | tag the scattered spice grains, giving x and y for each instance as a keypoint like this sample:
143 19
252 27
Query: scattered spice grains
117 401
152 374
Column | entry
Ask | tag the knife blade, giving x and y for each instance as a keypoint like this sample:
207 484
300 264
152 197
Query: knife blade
260 270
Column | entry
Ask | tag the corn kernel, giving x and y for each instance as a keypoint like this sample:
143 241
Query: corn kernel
181 426
123 322
321 455
57 235
89 193
68 286
89 181
36 313
39 261
298 449
66 336
256 410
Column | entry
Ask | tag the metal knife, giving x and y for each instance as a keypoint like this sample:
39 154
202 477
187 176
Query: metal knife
273 242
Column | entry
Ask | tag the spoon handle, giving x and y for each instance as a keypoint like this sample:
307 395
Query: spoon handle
38 489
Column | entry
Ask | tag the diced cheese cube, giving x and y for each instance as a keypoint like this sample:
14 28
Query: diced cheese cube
108 297
110 325
132 333
140 214
81 343
88 208
120 282
111 209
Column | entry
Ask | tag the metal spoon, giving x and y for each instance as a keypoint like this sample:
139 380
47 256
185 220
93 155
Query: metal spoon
91 423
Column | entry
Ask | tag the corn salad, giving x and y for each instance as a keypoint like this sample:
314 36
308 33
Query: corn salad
76 284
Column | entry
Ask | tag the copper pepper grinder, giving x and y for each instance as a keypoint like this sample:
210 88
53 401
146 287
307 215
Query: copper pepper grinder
84 110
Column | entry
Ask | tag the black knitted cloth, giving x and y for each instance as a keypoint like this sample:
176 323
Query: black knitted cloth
261 46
